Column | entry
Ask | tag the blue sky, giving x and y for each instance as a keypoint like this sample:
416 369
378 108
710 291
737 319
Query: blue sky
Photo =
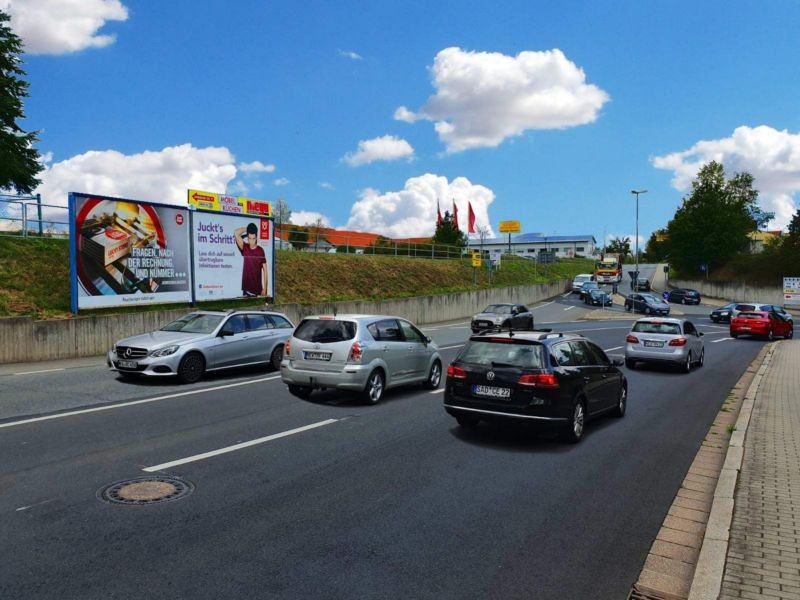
296 86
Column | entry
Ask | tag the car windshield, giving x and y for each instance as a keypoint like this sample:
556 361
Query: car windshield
651 299
742 307
589 285
752 315
505 354
498 309
325 331
582 278
692 293
195 323
598 293
657 327
727 307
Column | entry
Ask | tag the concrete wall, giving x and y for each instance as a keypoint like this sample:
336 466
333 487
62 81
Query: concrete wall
23 339
733 291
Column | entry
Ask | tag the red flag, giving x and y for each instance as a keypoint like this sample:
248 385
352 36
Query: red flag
455 215
438 214
471 226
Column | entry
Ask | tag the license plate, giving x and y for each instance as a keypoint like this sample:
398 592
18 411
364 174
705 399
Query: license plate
744 328
128 364
491 392
648 344
317 355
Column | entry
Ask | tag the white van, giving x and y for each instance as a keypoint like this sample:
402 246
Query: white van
580 280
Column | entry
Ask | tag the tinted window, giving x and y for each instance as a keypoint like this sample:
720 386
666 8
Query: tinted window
689 329
280 322
599 357
500 309
385 331
236 324
195 323
741 307
325 331
488 353
581 355
656 327
523 309
751 315
410 332
259 322
563 354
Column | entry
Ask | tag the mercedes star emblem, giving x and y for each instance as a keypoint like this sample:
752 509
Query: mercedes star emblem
127 352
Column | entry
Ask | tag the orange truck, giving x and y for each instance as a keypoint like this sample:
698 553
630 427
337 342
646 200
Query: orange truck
609 269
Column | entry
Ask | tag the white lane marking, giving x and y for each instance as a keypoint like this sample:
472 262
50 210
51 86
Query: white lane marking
595 329
569 308
40 371
725 339
545 304
567 295
715 326
439 391
715 333
21 508
449 347
84 411
614 348
261 440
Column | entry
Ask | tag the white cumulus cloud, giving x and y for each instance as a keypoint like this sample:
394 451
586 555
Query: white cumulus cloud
157 176
309 217
63 26
281 181
411 212
326 185
256 167
350 54
483 98
771 156
386 148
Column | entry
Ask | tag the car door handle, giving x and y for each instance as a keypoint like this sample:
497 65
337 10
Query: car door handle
586 378
385 348
604 376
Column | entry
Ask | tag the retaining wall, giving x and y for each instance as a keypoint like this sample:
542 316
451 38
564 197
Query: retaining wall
734 291
23 339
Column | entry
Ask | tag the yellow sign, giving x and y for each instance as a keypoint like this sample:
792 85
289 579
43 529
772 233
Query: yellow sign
662 237
229 204
510 227
476 260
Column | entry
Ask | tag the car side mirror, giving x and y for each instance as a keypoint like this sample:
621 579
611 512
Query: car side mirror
514 311
428 339
701 334
225 332
616 360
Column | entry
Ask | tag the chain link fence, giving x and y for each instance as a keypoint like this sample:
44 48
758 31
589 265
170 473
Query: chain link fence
28 216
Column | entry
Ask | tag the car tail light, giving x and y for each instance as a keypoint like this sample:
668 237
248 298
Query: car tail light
540 380
355 353
287 347
678 342
632 339
454 372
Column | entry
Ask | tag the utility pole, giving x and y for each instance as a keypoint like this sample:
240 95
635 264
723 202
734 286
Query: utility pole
636 271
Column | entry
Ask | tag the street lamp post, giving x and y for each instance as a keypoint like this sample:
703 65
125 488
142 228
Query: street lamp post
635 281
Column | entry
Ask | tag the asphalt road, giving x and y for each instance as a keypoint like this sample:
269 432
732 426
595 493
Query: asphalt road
388 501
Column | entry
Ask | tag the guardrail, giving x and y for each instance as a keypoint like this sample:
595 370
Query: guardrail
28 216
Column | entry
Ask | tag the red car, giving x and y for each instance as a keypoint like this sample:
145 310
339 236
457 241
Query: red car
763 324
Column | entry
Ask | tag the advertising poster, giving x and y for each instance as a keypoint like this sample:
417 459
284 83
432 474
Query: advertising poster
233 256
791 291
126 252
237 205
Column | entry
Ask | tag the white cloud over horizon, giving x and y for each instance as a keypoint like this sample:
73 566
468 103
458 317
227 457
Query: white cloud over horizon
411 212
483 98
256 167
281 181
384 148
59 27
771 156
309 217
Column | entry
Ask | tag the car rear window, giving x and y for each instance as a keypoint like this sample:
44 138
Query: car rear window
325 331
743 307
752 315
692 293
653 327
503 354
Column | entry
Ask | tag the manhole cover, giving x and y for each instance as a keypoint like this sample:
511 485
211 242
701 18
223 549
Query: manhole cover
146 490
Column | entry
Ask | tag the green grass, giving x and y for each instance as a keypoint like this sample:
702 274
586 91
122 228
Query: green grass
34 278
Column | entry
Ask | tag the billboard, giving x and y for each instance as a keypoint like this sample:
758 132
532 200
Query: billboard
126 252
510 227
229 204
233 256
791 291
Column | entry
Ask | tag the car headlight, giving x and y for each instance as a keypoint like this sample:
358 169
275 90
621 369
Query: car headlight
498 319
724 313
113 348
165 351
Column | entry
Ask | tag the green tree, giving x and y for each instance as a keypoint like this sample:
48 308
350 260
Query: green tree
712 223
19 160
657 247
298 237
619 246
447 234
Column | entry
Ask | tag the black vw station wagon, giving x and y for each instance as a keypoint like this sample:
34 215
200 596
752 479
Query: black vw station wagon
555 379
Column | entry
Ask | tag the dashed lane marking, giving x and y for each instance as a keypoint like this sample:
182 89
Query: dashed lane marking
39 371
614 348
449 347
569 308
439 391
725 339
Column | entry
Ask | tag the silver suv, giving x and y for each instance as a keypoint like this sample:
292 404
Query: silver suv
360 353
204 341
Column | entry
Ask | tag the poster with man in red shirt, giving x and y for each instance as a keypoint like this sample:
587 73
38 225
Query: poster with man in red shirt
254 266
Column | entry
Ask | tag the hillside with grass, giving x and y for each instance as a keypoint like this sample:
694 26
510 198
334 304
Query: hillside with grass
34 277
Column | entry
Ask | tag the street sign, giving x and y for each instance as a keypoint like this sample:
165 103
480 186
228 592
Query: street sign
510 227
476 260
791 291
666 268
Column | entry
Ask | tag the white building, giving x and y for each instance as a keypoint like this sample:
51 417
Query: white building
530 244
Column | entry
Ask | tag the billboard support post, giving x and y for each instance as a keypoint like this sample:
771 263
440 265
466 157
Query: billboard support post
73 256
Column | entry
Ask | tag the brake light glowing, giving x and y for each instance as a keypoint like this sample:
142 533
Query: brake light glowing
678 342
454 372
632 339
287 347
355 352
540 380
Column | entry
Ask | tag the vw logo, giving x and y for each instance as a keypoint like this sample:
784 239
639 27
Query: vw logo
316 346
490 376
127 352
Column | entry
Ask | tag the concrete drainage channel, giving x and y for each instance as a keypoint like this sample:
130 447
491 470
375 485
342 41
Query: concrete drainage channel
145 491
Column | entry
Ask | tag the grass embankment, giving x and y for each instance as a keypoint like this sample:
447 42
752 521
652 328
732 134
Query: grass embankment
34 277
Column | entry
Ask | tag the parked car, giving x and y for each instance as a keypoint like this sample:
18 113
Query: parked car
587 287
502 316
555 379
670 341
766 324
598 298
579 280
646 303
682 296
756 307
204 341
366 354
642 284
723 313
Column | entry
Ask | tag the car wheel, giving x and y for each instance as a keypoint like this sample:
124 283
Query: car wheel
702 358
301 391
276 358
771 336
373 391
573 433
790 334
630 363
734 335
467 422
622 403
683 301
687 366
647 311
191 368
434 376
627 308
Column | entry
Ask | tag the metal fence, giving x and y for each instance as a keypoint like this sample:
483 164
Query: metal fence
28 216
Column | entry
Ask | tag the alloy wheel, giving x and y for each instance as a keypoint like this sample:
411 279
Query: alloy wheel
435 375
375 387
578 421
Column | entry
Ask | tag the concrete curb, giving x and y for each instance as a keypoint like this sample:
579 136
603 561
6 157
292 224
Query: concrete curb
707 581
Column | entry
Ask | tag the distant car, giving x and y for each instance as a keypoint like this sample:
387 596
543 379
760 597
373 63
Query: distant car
598 298
579 280
766 324
682 296
641 285
554 379
754 306
587 287
366 354
647 304
502 316
723 313
670 341
204 341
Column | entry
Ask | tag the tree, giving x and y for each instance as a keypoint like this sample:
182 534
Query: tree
657 248
317 228
282 213
298 237
713 222
447 234
619 246
19 160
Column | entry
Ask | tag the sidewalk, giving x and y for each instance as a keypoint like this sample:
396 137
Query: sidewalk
763 558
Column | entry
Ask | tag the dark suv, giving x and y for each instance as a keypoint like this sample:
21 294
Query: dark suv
684 296
540 377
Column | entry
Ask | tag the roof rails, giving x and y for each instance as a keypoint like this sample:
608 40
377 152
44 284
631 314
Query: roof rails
549 334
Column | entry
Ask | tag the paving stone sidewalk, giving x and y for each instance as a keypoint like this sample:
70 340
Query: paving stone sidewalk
763 559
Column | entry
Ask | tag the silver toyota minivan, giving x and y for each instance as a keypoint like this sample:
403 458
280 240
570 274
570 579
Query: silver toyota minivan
360 353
